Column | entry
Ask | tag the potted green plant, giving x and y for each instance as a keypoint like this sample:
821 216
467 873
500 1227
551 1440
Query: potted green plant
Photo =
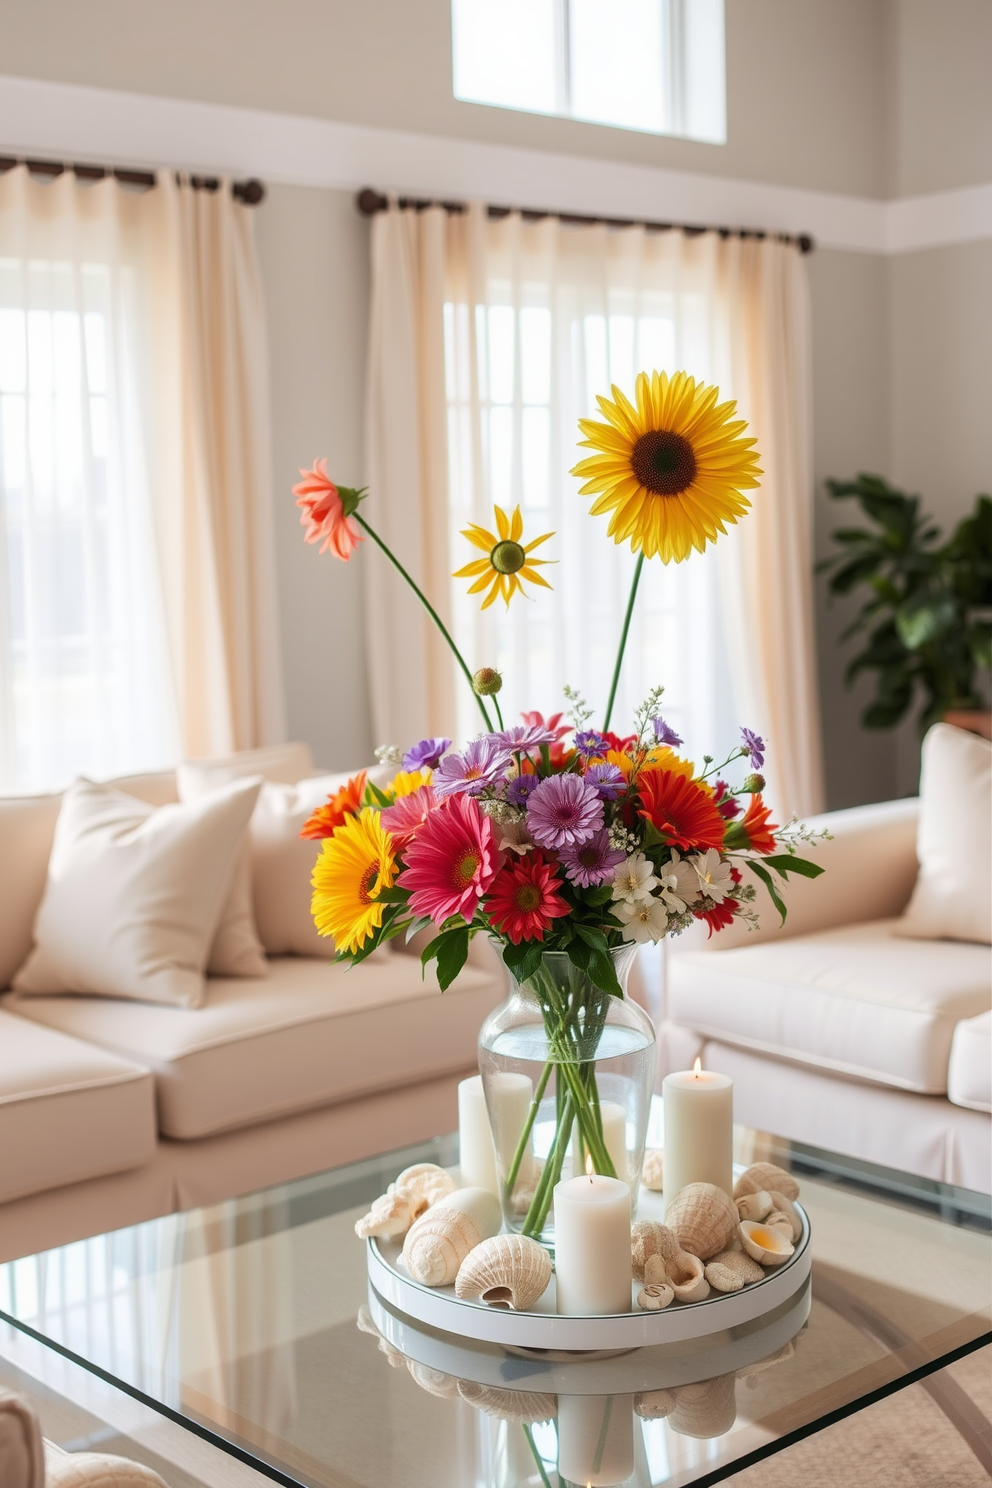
928 613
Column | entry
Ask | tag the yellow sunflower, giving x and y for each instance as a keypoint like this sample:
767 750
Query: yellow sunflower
506 562
354 865
672 470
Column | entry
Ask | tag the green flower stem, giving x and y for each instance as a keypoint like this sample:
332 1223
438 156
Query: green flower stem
522 1145
541 1202
430 610
623 638
528 1433
499 714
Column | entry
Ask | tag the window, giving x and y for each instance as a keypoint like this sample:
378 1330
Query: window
653 65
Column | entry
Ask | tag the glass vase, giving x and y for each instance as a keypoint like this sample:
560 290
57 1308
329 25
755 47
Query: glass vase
568 1074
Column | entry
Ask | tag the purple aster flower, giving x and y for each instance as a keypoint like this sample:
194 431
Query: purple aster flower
519 789
607 781
591 863
589 742
563 810
664 734
525 736
425 755
755 747
482 764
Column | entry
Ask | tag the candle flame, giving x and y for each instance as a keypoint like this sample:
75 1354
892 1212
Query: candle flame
589 1165
697 1066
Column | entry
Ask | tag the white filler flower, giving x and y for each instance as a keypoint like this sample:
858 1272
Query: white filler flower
714 874
634 879
644 919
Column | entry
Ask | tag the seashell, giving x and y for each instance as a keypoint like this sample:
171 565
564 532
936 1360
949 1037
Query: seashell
770 1247
768 1177
442 1238
749 1374
424 1184
652 1173
508 1271
404 1201
653 1298
707 1409
365 1323
703 1218
391 1214
648 1237
434 1381
393 1355
654 1405
509 1405
682 1272
731 1270
784 1215
755 1205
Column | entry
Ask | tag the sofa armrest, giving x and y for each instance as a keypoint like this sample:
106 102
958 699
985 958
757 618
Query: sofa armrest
870 868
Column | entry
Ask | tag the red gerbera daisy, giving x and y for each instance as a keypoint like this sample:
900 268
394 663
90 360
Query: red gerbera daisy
325 821
757 828
720 915
451 861
522 902
682 810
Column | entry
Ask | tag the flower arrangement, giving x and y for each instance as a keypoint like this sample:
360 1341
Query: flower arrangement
553 835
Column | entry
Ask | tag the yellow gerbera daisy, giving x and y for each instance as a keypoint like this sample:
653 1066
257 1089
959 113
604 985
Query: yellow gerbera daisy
406 782
354 865
671 470
506 562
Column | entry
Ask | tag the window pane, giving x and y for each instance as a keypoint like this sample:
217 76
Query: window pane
704 87
504 52
616 62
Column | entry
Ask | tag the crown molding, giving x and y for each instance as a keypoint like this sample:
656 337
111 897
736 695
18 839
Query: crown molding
103 125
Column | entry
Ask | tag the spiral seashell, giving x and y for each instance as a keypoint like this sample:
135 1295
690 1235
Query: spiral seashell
652 1174
404 1201
682 1272
731 1270
424 1184
768 1177
509 1405
703 1218
653 1298
647 1238
769 1247
441 1239
506 1271
391 1214
706 1409
755 1205
654 1405
434 1381
784 1215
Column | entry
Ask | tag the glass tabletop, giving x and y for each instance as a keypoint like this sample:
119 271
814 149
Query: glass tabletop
252 1323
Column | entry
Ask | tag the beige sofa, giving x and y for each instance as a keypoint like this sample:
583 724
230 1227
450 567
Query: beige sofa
837 1031
112 1112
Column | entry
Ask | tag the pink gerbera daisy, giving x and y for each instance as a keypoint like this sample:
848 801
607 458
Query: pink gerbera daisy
451 861
407 815
522 902
323 513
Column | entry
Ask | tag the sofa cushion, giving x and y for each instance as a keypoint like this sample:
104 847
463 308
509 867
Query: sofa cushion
68 1111
969 1071
310 1034
858 1000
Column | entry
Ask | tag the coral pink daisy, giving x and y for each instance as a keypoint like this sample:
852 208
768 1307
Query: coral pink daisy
451 861
407 815
522 902
323 513
325 821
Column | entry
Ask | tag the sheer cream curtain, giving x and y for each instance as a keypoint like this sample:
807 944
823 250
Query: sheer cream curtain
137 615
538 318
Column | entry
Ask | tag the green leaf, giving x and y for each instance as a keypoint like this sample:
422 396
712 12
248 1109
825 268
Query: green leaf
599 896
392 896
415 927
980 643
785 863
922 618
766 879
452 956
377 795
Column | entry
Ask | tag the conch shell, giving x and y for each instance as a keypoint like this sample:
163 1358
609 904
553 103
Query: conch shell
653 1298
770 1247
509 1405
681 1271
731 1270
648 1237
652 1174
506 1271
404 1201
766 1176
755 1205
441 1239
784 1216
703 1218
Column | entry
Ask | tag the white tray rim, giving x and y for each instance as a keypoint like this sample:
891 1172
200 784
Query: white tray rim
438 1307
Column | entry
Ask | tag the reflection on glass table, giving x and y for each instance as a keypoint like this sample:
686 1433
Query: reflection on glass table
252 1323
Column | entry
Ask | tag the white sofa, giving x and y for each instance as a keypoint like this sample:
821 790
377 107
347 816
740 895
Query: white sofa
112 1112
838 1032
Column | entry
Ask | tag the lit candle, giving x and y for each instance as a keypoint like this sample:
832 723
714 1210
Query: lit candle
699 1130
595 1439
592 1245
481 1134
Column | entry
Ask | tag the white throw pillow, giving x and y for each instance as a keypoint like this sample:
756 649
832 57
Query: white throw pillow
134 895
952 899
237 950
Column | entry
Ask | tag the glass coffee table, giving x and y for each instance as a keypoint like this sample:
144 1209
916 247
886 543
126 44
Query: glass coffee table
251 1324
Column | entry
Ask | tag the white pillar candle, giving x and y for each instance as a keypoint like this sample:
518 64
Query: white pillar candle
592 1245
699 1130
510 1095
476 1154
595 1439
615 1135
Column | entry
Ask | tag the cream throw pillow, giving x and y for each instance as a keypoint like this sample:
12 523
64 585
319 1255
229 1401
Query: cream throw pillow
953 895
134 895
237 951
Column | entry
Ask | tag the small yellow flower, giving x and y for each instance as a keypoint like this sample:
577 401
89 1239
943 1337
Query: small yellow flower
506 562
354 866
406 782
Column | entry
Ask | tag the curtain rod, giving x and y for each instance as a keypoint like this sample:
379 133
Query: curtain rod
369 202
250 192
